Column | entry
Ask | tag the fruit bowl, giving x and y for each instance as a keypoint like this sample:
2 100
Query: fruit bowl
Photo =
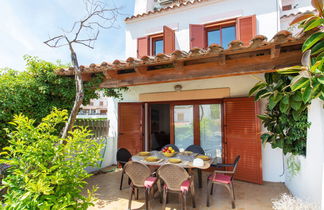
166 154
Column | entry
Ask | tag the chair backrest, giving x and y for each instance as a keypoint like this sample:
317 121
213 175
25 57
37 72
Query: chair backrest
173 176
123 155
196 149
236 162
174 147
137 172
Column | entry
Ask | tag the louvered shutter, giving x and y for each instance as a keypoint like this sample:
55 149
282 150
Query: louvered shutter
197 36
246 28
169 40
142 46
130 126
242 137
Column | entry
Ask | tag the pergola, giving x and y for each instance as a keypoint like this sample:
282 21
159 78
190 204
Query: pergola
260 56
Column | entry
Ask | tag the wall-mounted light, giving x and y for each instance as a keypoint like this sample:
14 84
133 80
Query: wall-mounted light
178 88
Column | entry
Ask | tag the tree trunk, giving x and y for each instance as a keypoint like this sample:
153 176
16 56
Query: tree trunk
78 96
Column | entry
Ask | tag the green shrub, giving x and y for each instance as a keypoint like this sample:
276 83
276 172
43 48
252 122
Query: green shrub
48 172
37 90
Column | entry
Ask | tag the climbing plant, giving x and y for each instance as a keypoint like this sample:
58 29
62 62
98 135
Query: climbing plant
291 90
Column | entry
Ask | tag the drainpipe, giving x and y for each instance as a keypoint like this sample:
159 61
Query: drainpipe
278 5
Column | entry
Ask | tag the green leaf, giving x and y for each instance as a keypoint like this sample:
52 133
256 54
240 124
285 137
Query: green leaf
318 47
257 87
283 107
297 96
321 79
315 23
300 82
290 70
306 94
274 99
310 41
296 105
285 99
262 94
265 137
263 116
268 78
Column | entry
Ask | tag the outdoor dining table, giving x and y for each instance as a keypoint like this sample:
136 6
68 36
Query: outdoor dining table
186 160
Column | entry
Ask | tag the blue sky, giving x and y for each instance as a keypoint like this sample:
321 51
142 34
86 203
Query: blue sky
25 24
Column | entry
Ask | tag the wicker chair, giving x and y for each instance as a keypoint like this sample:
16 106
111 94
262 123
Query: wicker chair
173 147
224 178
176 179
123 156
141 177
197 149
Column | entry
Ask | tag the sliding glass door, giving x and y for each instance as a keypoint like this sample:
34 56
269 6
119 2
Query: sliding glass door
200 123
210 127
183 126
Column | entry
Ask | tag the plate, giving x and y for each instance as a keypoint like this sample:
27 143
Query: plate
204 157
187 153
152 159
175 160
144 153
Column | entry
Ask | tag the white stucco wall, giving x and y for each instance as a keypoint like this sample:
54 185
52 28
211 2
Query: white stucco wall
202 13
307 184
239 86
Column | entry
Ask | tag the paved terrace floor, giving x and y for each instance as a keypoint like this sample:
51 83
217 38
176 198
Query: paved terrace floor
248 196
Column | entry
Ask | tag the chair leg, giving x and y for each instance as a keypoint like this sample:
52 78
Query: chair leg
147 194
209 185
121 180
233 189
160 190
193 197
180 199
212 189
199 178
232 195
130 197
137 192
229 188
164 198
184 203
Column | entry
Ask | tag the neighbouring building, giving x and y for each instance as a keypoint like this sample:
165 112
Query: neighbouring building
97 108
190 67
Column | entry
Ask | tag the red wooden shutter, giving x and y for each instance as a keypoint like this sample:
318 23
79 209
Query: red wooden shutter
197 36
246 28
169 40
242 137
142 46
130 126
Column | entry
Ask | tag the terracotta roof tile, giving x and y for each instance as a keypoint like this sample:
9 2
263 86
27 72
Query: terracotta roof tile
259 42
174 6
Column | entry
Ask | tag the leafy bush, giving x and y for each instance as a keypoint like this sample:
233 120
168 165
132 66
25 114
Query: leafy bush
286 114
48 172
36 91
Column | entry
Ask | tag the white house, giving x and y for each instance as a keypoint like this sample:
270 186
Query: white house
177 67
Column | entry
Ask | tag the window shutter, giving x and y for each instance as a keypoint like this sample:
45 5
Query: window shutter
169 40
246 28
197 36
142 46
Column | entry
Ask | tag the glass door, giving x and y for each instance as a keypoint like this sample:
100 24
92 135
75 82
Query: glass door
210 126
183 126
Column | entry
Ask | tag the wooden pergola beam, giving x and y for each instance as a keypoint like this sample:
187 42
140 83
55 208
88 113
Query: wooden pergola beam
219 68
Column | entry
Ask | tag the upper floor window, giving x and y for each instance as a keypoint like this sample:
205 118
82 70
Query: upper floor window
223 32
221 35
157 43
